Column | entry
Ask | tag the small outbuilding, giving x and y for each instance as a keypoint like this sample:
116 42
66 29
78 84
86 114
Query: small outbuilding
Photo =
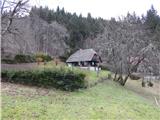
85 58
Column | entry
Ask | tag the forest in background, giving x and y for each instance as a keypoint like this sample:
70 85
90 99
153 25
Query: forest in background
60 33
78 27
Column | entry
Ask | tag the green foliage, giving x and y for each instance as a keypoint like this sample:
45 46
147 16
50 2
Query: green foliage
8 61
59 78
44 57
22 58
143 83
152 18
109 76
150 84
79 27
91 77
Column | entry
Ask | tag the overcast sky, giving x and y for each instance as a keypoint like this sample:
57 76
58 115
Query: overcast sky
101 8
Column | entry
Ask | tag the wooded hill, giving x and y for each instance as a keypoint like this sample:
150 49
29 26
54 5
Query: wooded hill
60 33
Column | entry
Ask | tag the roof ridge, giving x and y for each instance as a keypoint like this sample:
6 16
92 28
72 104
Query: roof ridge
82 55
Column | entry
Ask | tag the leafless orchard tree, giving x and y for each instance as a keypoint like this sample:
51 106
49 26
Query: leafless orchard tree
127 53
126 60
126 46
11 9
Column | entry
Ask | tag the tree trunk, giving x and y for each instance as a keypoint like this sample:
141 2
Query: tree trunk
125 80
121 80
115 76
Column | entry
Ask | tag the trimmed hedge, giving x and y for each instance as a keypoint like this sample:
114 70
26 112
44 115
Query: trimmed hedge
58 78
22 58
8 61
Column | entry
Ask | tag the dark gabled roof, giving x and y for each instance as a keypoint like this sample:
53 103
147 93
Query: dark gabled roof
82 55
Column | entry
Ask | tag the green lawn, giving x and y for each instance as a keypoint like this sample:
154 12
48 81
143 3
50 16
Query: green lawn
105 101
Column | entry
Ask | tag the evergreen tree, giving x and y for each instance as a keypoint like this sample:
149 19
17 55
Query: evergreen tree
152 19
79 27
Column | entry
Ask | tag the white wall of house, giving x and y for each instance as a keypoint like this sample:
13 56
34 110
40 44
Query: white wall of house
69 64
92 68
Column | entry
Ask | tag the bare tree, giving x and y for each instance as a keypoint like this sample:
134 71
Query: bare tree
11 9
126 60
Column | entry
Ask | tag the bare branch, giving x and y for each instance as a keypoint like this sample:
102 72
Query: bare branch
2 7
14 8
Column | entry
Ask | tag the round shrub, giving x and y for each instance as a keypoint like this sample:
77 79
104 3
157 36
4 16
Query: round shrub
44 57
150 84
134 77
143 83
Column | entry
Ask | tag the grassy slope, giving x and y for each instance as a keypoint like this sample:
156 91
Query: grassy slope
148 92
105 101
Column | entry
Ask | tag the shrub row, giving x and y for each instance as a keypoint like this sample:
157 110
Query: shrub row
22 58
58 78
8 61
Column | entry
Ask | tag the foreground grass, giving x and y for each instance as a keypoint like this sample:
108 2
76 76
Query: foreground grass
105 101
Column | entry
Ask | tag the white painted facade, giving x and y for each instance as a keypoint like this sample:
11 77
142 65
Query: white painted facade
92 68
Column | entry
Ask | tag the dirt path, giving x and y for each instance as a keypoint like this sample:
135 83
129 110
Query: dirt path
23 66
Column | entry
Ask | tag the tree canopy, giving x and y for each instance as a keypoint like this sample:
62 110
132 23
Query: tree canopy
79 27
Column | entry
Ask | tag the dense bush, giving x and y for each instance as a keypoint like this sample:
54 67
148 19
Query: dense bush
150 84
134 77
59 78
143 83
8 61
109 76
44 57
22 58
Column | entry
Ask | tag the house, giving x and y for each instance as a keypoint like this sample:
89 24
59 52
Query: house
86 59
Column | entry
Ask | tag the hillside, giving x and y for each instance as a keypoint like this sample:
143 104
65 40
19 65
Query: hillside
107 100
35 35
54 33
59 33
116 78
